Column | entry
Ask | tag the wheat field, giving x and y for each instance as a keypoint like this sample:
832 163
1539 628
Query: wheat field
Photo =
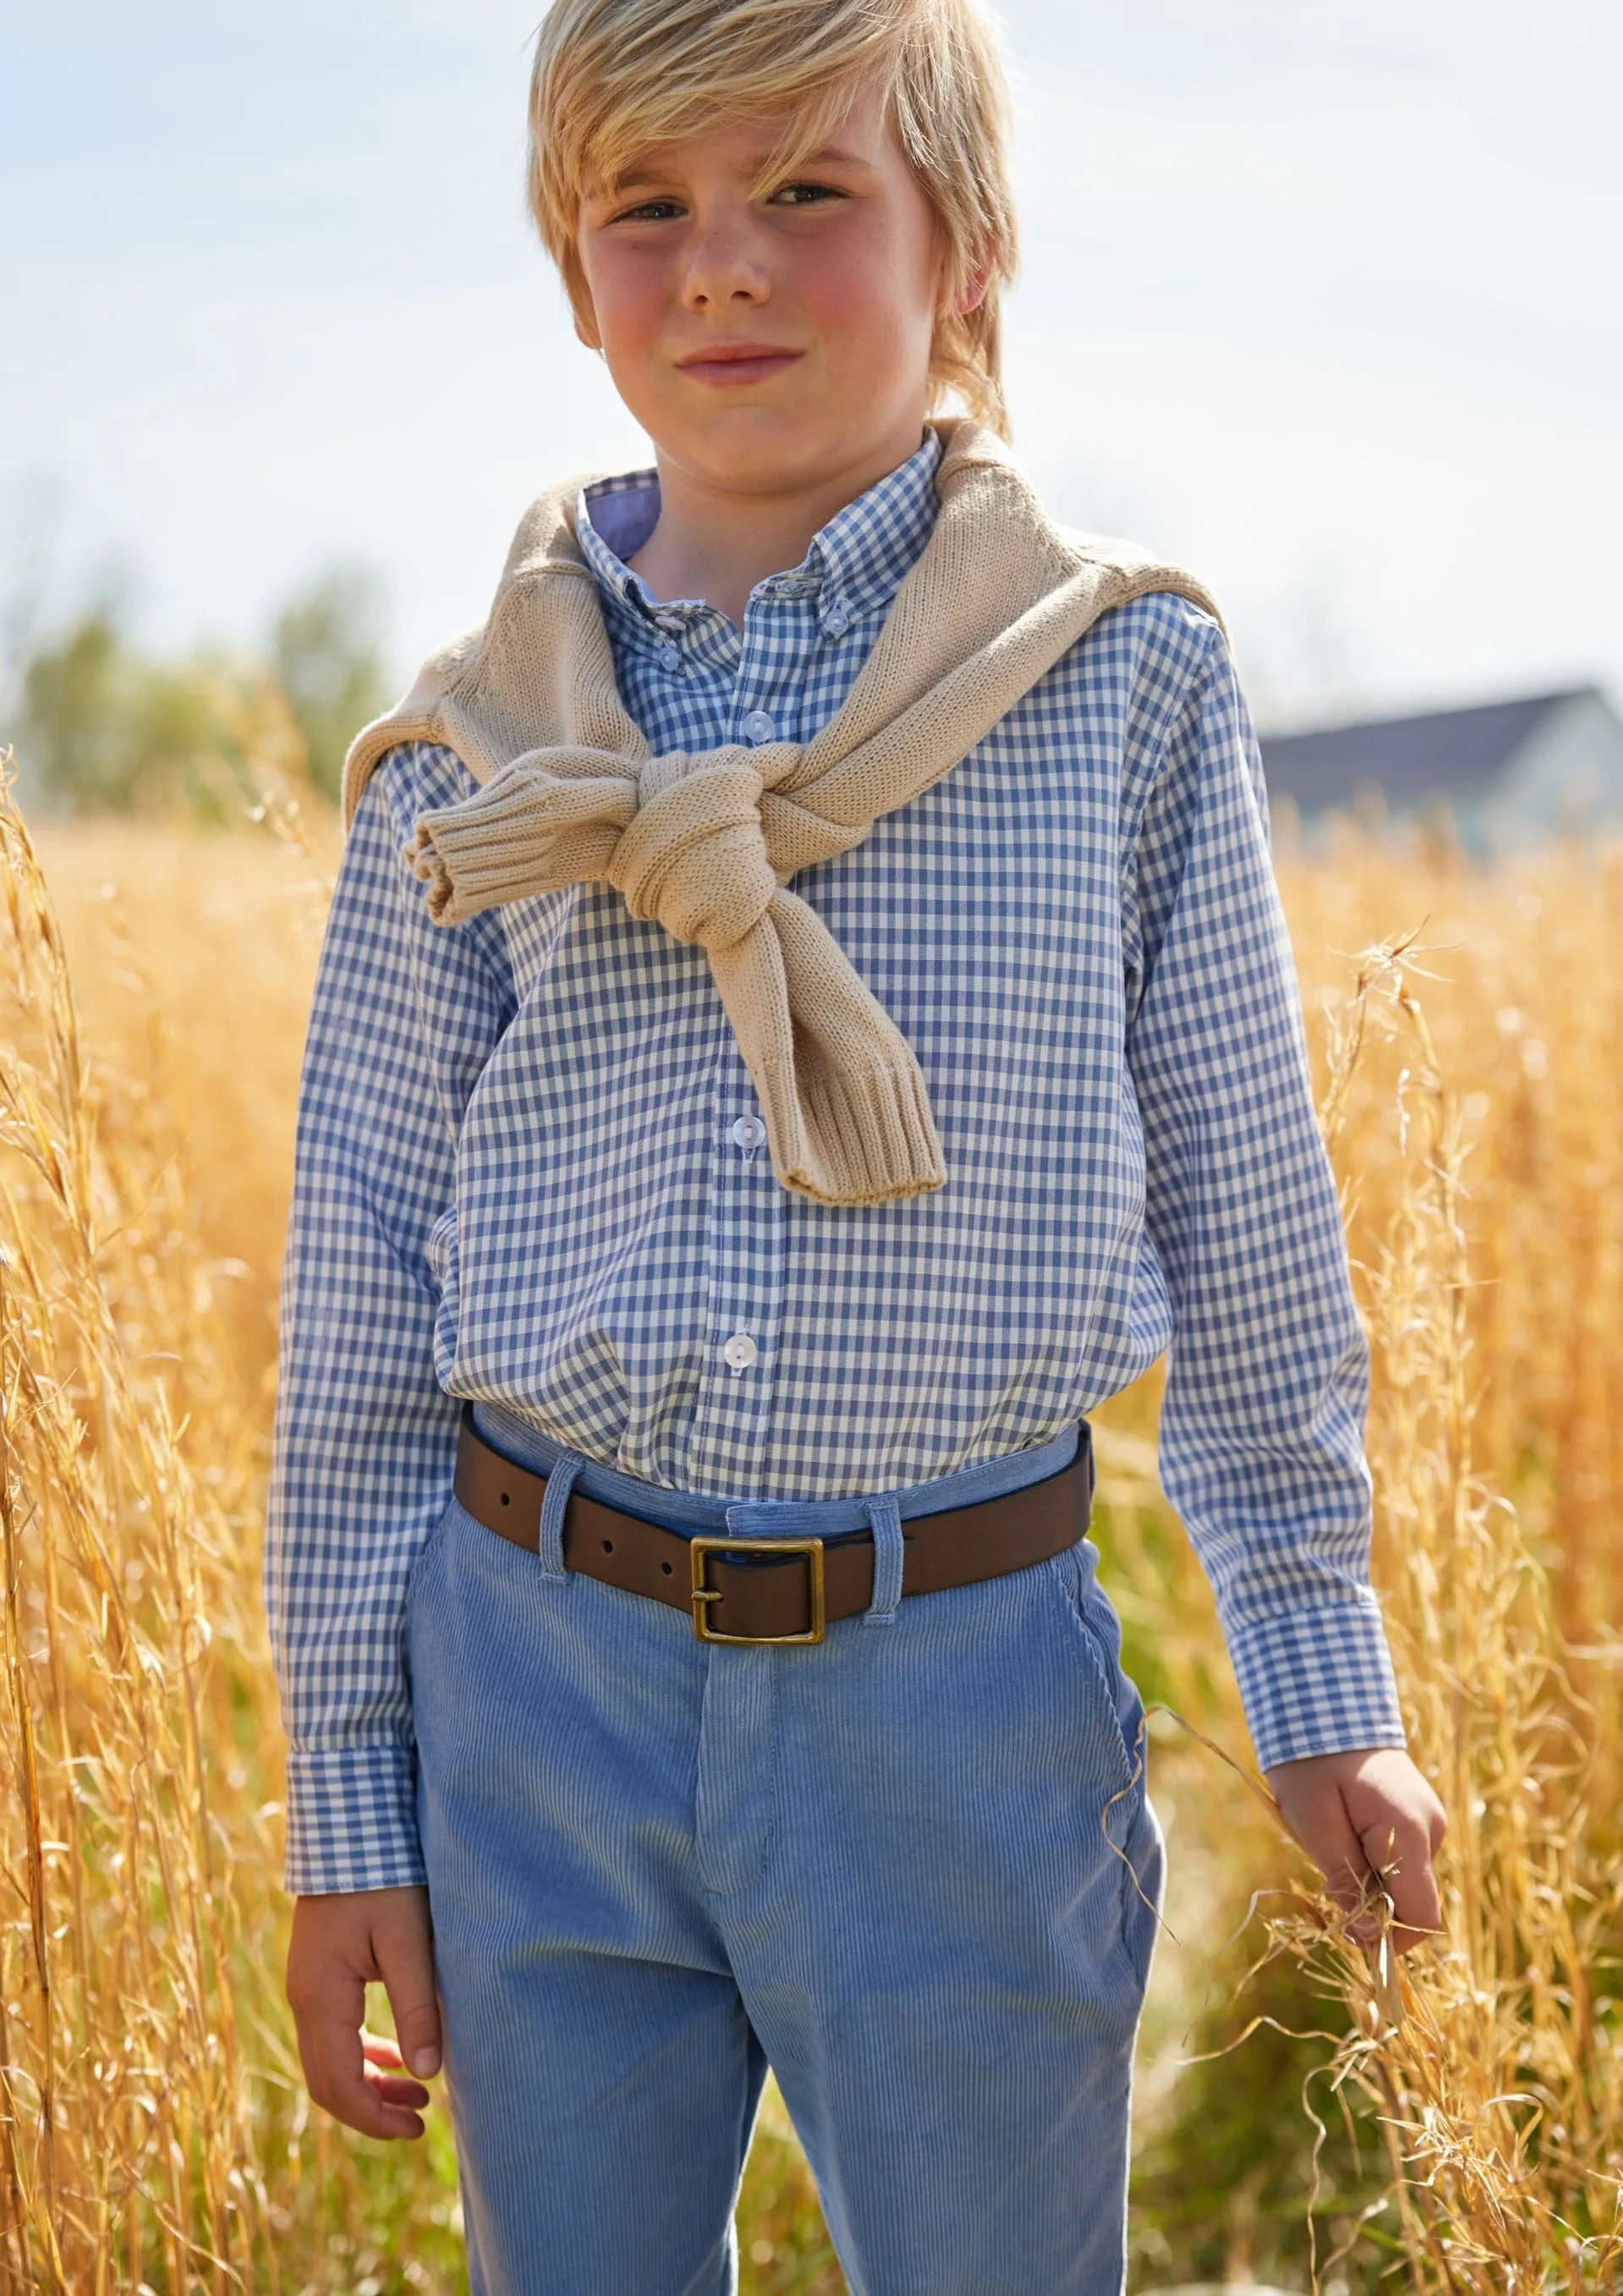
1308 2112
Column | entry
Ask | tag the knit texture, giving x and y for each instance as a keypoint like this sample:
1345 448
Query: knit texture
704 844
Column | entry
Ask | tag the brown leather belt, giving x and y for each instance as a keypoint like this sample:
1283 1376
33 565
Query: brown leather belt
775 1590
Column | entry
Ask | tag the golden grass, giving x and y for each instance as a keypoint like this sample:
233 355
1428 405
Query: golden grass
152 2129
1491 2060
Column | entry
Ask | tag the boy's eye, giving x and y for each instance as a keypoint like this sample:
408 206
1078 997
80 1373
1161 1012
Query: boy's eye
789 196
804 195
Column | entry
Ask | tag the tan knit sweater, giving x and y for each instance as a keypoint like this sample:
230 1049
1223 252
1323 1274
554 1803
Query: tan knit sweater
705 844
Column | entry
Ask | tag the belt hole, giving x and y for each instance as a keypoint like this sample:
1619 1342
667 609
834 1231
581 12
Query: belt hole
506 1500
666 1567
608 1546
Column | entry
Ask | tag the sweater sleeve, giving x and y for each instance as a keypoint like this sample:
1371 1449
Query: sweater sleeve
406 1015
1261 1436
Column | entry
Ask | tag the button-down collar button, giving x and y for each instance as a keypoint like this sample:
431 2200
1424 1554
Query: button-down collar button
758 727
837 621
741 1352
748 1131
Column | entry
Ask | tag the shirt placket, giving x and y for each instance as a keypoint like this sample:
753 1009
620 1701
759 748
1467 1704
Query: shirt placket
749 1209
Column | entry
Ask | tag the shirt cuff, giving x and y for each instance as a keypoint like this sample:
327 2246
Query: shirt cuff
351 1820
1316 1682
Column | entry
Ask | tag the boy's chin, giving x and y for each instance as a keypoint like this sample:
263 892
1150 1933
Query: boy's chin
773 451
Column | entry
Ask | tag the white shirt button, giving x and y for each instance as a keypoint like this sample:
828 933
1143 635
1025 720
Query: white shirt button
741 1352
836 621
748 1131
758 727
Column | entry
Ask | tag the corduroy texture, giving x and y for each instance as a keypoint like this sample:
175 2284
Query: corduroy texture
705 844
916 1869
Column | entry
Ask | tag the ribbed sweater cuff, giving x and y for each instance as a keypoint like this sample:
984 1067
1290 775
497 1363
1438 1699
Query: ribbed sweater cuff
484 850
868 1136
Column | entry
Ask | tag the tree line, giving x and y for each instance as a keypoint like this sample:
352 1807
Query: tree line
100 725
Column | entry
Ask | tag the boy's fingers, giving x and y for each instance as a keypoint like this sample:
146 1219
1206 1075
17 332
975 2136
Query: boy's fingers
1401 1824
386 2070
1368 1814
338 2082
403 1944
335 1951
1319 1821
1310 1802
1400 1850
1325 1832
328 2016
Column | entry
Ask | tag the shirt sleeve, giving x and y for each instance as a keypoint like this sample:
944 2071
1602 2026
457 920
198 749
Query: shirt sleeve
406 1015
1261 1433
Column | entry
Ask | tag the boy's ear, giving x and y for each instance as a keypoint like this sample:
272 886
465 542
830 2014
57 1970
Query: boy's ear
974 293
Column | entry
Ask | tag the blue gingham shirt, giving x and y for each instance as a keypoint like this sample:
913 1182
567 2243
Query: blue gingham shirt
524 1172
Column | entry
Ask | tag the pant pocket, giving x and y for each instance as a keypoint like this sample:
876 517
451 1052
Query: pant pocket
422 1562
1089 1613
1129 1824
1144 1877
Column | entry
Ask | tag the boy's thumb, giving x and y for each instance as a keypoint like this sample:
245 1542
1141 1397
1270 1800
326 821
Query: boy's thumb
406 1962
419 2034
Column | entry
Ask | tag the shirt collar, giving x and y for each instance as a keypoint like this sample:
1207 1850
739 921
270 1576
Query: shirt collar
613 519
856 563
860 557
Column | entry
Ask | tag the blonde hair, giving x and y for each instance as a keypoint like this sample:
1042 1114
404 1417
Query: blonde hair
614 76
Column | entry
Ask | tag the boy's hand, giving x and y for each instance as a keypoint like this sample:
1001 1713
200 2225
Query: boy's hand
1365 1814
341 1944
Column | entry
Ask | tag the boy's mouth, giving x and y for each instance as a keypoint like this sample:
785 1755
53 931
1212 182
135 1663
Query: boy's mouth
730 364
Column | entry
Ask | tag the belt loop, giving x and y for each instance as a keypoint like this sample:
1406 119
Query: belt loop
555 1501
888 1551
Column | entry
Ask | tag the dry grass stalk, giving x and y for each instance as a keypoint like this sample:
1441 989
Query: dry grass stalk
129 2153
1492 2055
1525 1007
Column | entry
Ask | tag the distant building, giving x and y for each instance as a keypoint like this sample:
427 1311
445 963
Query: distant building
1510 773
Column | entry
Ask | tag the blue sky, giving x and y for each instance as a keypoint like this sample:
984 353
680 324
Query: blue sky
1324 298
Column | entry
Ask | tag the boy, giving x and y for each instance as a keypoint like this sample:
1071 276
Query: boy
653 1214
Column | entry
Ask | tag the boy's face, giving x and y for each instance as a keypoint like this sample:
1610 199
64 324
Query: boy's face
768 344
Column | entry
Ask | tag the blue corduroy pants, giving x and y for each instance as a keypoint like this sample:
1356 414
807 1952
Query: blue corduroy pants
913 1869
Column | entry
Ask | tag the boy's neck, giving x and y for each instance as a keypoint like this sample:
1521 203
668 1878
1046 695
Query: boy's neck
715 542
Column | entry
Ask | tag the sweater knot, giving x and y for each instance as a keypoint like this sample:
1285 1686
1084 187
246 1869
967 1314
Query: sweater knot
694 856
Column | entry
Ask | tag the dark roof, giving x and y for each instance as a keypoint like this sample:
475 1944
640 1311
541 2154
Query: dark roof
1442 753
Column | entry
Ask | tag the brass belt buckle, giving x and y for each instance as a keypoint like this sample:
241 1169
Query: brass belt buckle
812 1548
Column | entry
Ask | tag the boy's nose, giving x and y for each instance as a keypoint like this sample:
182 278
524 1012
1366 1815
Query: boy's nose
723 268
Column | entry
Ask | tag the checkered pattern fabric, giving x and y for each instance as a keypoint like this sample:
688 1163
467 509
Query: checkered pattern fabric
525 1171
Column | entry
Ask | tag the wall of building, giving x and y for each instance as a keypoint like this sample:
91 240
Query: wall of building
1566 779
